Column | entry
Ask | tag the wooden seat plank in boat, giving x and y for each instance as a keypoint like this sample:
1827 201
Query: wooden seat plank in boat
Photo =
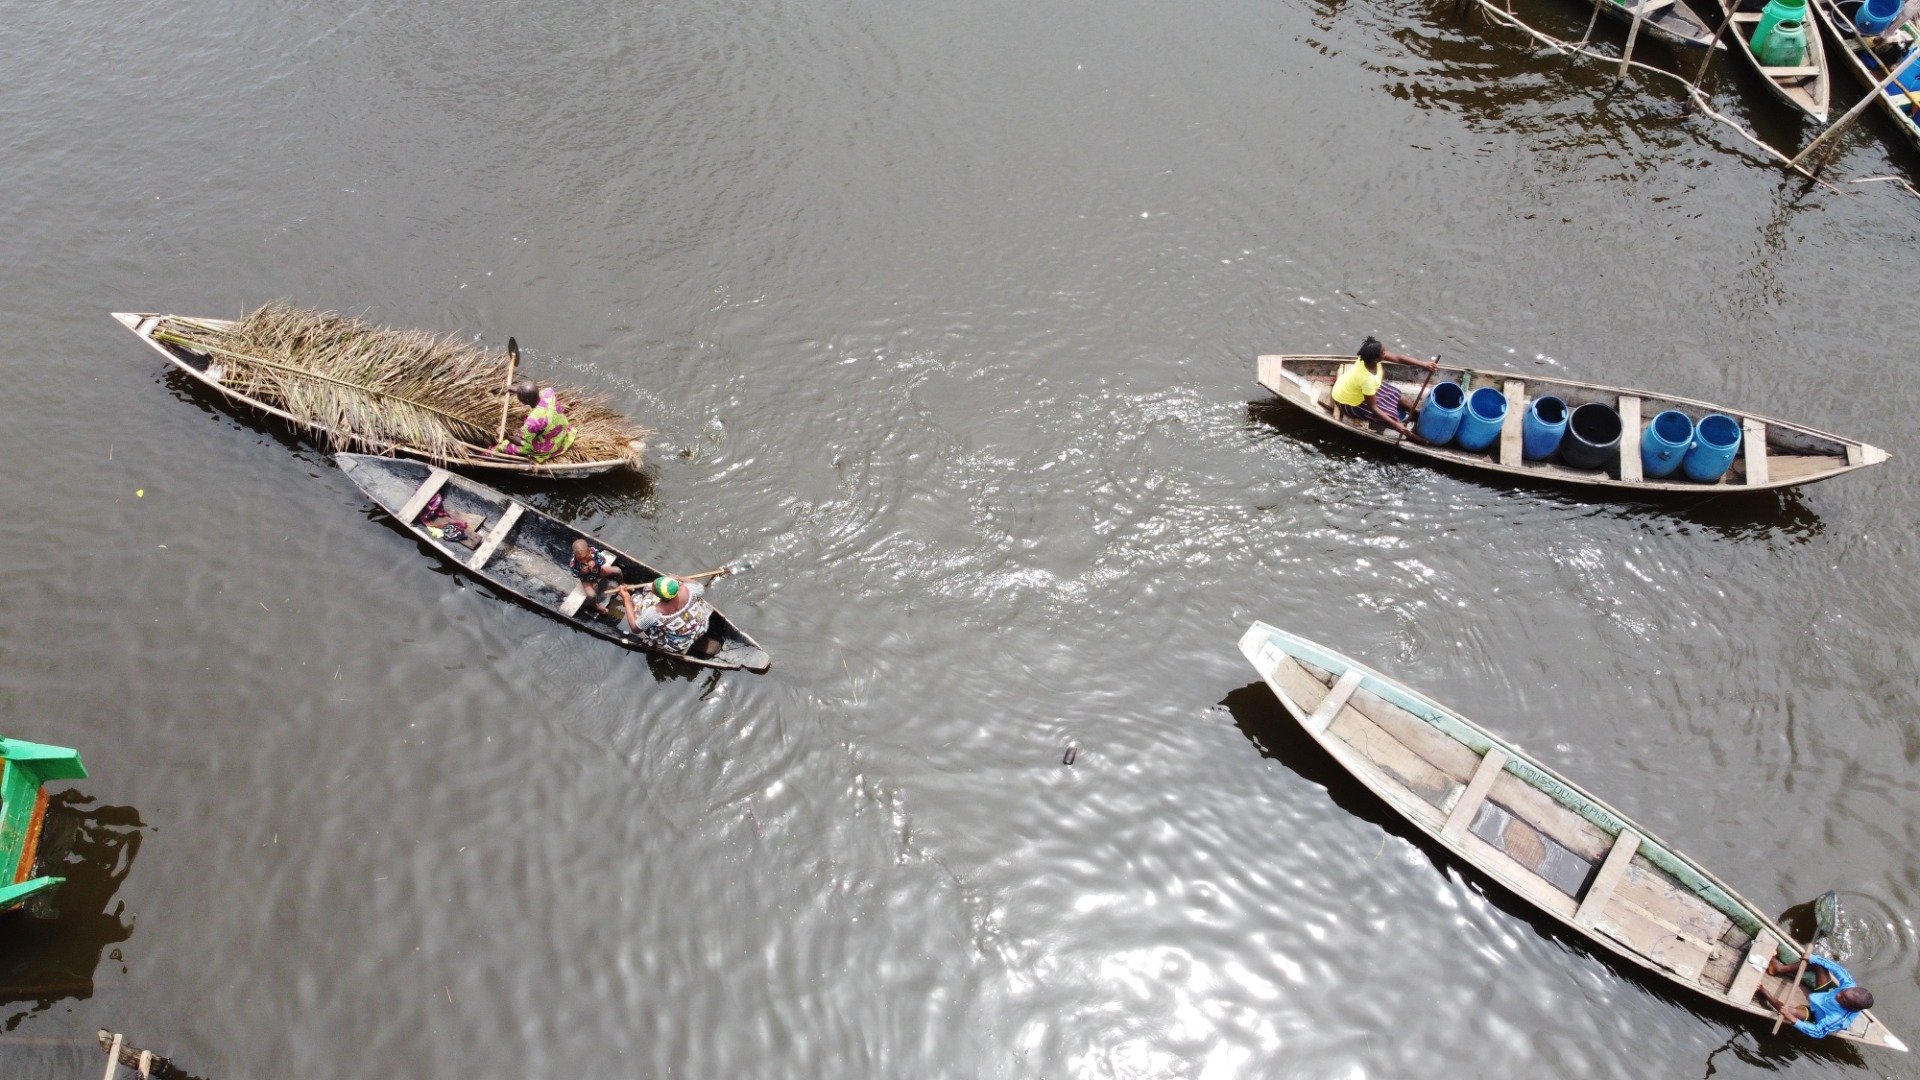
1630 435
1531 830
1625 847
436 479
1463 811
1753 444
570 607
1510 428
499 534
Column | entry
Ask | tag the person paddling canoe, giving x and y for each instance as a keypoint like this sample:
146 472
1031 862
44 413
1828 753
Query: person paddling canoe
671 614
1834 1000
1363 393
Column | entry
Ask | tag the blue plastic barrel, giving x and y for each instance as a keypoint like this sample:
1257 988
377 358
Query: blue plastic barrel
1665 444
1542 428
1486 411
1593 437
1716 439
1876 16
1440 416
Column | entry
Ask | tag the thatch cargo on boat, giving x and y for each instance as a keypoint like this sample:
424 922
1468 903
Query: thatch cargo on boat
368 387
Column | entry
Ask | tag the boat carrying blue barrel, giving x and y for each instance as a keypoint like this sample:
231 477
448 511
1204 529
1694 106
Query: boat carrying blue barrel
1785 47
1440 416
1876 16
1593 437
1486 411
1716 439
1542 428
1665 444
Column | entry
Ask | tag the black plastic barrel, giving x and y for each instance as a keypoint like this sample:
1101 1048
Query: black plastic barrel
1593 437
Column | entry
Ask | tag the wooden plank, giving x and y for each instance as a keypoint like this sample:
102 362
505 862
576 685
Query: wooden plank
499 533
1396 761
1630 438
1462 813
1753 440
113 1057
1654 7
1528 884
1658 894
1681 954
1611 871
1753 968
1538 809
571 605
1452 757
1516 392
1855 455
427 489
1292 679
1335 699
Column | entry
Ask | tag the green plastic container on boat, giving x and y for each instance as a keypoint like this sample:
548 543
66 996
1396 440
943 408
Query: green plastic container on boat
1785 47
1775 13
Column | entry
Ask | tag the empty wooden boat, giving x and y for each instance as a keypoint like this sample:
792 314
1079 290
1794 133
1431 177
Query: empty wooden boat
1667 19
217 374
1772 453
521 551
1805 85
1874 57
24 768
1533 831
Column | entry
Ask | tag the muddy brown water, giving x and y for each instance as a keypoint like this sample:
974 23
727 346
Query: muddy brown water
947 317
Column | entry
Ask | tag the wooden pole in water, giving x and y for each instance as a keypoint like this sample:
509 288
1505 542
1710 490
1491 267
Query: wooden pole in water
113 1058
1633 32
1588 36
1700 76
513 361
1854 113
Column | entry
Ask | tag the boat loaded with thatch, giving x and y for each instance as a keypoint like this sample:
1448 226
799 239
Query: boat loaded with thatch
373 390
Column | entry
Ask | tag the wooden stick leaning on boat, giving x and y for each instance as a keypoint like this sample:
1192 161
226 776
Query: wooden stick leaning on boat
506 407
288 369
1859 107
1422 392
1781 1008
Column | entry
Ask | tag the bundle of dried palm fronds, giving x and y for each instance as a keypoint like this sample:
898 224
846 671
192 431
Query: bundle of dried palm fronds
372 388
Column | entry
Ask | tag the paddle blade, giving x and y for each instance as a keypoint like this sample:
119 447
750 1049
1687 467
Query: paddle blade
513 351
1826 915
739 566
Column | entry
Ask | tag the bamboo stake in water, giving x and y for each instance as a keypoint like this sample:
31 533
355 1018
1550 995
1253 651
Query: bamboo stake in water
1633 32
1698 76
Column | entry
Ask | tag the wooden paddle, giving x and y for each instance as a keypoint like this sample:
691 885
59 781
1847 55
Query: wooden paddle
737 566
1423 388
513 361
1781 1009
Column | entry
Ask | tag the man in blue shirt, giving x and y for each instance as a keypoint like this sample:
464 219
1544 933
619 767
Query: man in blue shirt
1833 998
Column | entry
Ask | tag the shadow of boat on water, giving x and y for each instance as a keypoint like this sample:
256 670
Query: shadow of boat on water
1278 736
1780 514
53 945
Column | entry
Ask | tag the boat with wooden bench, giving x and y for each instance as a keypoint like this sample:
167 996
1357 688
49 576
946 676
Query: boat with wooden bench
1773 453
1667 19
24 768
1805 85
1536 833
1894 51
526 553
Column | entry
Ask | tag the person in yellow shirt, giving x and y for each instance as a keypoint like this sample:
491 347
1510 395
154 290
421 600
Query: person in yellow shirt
1362 391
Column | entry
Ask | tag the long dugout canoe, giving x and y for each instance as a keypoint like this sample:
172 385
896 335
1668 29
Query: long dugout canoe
206 371
1536 833
1773 454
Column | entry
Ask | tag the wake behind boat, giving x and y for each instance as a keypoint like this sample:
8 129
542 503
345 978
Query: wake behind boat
1537 834
1602 447
521 551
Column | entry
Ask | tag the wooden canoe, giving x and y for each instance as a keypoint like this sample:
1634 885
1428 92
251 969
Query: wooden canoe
524 552
1533 831
1667 19
1805 85
1872 59
207 371
1774 453
24 767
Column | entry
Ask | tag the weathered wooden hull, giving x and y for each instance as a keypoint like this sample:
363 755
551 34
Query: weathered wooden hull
525 553
1901 107
1669 20
1806 86
201 370
24 767
1534 832
1775 453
